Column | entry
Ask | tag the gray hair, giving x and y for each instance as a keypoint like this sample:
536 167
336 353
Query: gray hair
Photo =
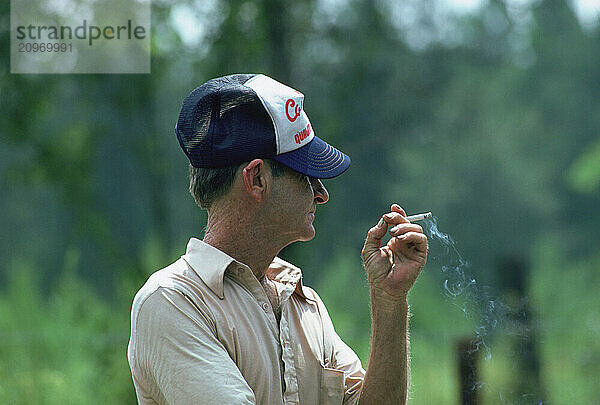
207 184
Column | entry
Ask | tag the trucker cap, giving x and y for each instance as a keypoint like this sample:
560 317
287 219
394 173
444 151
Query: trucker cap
233 119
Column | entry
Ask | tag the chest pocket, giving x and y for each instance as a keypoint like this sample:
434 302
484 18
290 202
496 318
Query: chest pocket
332 386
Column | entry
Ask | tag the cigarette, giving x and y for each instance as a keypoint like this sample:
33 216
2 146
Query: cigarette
419 217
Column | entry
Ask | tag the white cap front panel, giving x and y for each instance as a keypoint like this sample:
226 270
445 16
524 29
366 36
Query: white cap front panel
286 108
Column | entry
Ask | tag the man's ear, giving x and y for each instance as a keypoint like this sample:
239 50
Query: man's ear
256 180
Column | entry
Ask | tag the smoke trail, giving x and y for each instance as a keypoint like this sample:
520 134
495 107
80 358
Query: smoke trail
462 290
490 315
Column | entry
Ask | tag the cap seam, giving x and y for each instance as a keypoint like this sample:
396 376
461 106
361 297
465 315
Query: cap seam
212 134
268 111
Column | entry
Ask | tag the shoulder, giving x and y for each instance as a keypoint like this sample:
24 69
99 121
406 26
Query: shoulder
172 291
171 298
165 279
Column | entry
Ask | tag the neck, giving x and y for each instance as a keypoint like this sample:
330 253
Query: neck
244 239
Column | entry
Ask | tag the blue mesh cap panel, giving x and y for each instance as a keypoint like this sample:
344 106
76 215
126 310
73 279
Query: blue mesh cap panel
223 123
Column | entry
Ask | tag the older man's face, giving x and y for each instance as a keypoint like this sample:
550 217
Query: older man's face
296 197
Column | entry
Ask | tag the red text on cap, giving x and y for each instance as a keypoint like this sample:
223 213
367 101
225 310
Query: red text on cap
302 135
293 109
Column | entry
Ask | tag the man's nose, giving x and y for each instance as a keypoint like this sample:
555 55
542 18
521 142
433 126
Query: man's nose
319 190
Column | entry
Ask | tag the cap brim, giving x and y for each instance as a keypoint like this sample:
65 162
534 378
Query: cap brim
316 159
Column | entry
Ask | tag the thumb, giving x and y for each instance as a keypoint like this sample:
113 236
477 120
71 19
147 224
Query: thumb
373 239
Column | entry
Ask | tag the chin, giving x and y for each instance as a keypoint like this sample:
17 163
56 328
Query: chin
308 235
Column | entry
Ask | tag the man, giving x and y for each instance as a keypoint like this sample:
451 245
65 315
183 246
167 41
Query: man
230 322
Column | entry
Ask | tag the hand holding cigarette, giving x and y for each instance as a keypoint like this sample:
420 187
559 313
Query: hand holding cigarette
394 267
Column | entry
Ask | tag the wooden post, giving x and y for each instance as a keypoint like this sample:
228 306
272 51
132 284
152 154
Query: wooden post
468 354
515 280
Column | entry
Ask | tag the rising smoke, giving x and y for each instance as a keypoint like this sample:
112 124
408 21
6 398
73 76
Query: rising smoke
478 304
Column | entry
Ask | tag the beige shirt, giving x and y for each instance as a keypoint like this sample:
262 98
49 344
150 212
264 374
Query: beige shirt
203 332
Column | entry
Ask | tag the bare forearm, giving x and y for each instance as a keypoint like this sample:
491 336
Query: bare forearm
387 377
391 270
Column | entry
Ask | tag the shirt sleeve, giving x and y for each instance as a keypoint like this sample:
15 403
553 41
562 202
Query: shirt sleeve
343 357
179 356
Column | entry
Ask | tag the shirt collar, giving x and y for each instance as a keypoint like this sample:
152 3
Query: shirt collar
286 273
210 264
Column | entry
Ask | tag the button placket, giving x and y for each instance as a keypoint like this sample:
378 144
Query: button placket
287 357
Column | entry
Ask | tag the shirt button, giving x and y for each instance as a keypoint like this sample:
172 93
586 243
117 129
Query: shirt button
265 306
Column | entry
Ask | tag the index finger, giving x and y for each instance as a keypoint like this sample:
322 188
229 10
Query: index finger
394 218
373 239
396 208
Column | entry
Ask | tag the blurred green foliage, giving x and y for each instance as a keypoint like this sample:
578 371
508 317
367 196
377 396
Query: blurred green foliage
489 119
64 348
